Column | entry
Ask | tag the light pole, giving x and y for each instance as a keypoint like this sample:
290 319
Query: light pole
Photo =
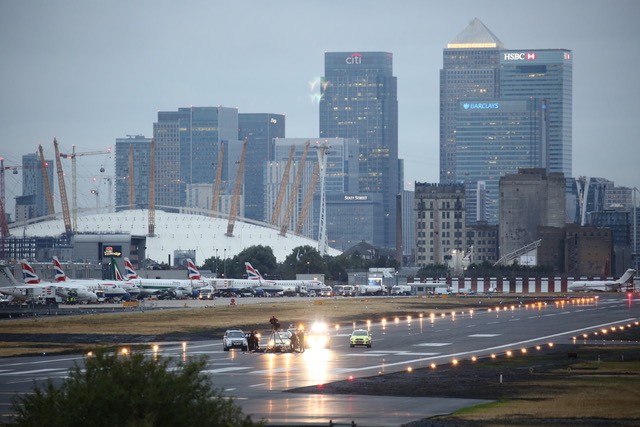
307 267
216 261
224 263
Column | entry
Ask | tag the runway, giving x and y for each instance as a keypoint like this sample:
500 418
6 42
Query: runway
258 381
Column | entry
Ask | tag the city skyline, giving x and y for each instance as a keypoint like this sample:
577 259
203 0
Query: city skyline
89 74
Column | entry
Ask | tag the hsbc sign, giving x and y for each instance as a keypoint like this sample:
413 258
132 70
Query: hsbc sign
519 56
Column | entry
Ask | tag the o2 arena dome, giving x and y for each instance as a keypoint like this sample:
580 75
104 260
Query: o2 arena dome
179 231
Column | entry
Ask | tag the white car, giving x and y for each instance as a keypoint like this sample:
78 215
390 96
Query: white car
234 338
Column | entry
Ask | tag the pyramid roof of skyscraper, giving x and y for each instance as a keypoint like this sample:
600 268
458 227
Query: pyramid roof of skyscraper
476 35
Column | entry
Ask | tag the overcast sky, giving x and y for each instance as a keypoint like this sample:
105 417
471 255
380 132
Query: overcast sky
88 72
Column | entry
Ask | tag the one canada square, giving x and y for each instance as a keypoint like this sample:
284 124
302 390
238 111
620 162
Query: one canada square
501 110
359 100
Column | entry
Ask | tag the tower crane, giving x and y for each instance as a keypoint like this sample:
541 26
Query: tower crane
308 198
63 190
74 190
322 216
233 211
293 195
283 187
4 227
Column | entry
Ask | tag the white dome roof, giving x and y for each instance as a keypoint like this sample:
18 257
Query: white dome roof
178 231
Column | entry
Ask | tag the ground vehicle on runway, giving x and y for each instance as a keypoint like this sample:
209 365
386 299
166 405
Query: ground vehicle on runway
317 336
234 338
279 342
360 337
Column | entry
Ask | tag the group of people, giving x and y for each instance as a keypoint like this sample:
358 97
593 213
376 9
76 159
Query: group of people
297 340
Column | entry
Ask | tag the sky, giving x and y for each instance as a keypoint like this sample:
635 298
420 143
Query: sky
87 72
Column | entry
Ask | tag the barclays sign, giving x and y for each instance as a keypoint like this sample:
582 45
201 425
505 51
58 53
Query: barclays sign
481 106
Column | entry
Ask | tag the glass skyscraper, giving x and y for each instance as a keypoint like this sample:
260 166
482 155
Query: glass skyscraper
260 129
141 149
33 182
186 151
359 100
519 114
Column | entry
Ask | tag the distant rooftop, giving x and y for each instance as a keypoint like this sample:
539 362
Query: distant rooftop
476 35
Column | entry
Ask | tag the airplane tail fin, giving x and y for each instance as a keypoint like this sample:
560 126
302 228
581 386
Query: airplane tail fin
115 271
60 275
7 278
194 274
252 273
130 273
626 277
28 273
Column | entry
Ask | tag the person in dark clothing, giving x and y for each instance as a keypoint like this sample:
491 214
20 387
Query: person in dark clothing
275 324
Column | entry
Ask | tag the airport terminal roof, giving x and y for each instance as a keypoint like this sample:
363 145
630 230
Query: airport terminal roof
179 231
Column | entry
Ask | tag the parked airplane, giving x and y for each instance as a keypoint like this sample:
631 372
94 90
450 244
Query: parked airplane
107 288
66 290
603 285
286 286
181 287
116 274
21 292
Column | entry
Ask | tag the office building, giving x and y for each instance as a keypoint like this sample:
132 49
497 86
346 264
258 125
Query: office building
134 150
187 143
33 184
495 138
259 129
440 222
479 77
359 100
471 64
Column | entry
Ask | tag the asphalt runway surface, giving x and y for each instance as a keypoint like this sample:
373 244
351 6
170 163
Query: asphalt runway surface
259 381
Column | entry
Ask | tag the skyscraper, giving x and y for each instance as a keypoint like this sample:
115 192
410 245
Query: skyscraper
33 183
140 147
260 129
501 110
470 70
359 100
187 144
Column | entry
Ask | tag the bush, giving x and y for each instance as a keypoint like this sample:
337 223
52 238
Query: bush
131 390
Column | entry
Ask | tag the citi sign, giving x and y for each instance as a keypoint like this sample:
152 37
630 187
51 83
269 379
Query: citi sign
354 59
519 56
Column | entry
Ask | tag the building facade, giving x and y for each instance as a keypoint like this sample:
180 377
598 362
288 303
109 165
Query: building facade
530 199
359 100
133 150
187 144
33 184
259 129
440 222
479 73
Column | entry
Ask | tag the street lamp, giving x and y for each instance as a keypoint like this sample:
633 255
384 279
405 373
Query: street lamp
307 267
216 261
224 263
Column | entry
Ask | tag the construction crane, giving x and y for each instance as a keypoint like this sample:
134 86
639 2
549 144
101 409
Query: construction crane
63 190
51 212
74 191
283 187
152 189
217 183
323 244
4 227
308 198
233 211
293 194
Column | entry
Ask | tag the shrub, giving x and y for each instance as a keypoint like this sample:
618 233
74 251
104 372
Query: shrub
132 390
